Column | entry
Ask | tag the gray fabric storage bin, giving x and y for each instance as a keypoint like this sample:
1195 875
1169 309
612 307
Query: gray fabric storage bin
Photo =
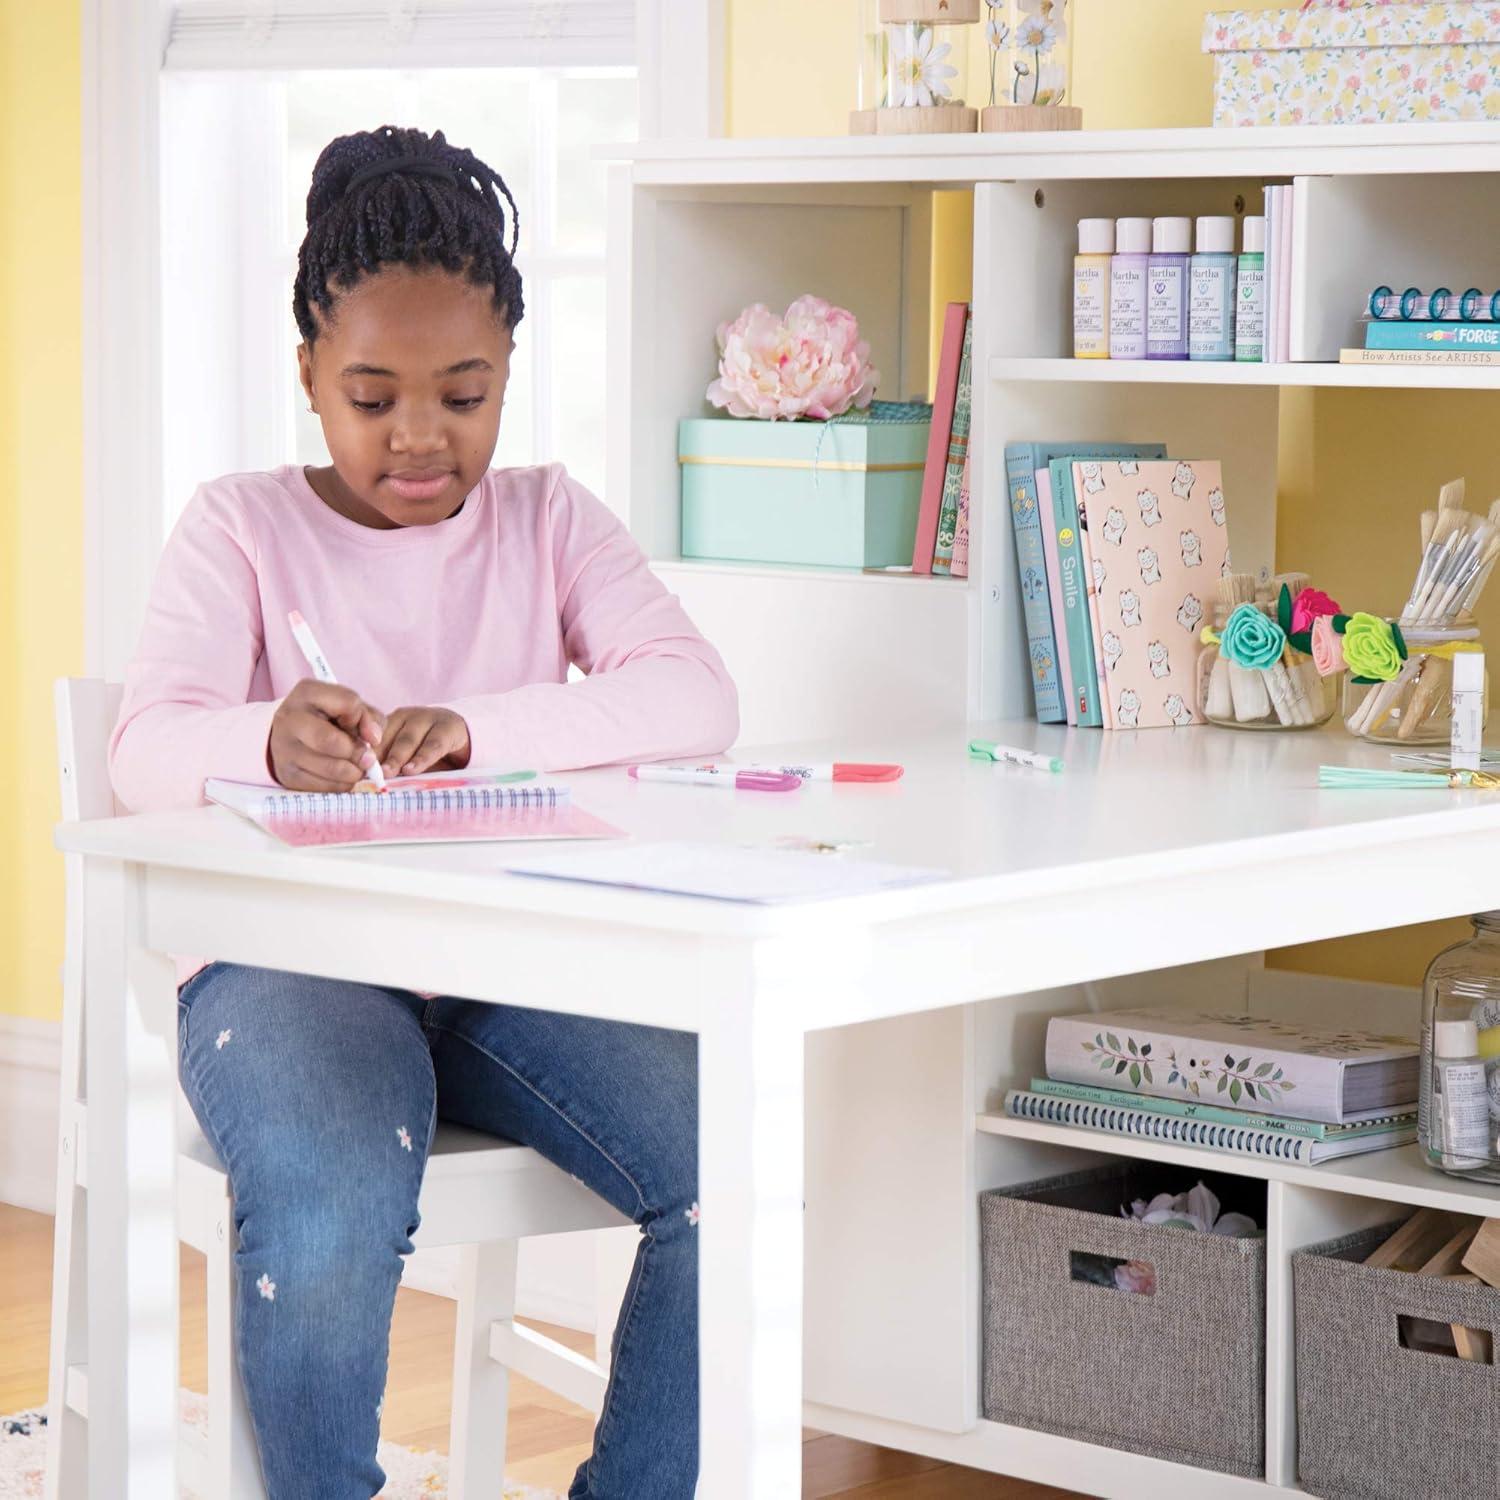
1178 1375
1376 1421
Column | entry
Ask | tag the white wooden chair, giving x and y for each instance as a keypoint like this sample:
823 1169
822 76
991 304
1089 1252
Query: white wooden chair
479 1192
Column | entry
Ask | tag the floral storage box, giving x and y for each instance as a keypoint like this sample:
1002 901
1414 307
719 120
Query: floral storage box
1364 64
841 494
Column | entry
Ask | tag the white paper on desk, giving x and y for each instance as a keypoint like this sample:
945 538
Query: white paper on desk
724 872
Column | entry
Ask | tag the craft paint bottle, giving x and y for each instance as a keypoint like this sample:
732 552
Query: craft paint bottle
1250 294
1127 289
1096 247
1211 291
1167 289
1460 1102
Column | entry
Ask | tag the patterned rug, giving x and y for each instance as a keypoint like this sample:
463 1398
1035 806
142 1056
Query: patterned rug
410 1473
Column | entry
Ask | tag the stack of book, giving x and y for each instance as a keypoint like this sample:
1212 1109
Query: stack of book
1120 552
1398 341
1230 1083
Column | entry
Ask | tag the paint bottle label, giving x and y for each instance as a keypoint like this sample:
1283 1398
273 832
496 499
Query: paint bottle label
1091 307
1250 313
1127 309
1465 1111
1166 310
1211 309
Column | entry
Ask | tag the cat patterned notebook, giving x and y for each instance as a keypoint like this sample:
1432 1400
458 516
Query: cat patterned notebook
1159 545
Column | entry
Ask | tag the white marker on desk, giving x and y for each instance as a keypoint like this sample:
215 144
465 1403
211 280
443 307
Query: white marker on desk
729 778
308 642
989 750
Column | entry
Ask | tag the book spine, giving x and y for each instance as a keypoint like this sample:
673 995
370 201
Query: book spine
1289 271
960 563
1091 600
1073 568
1441 358
1441 336
958 457
1055 594
1171 1066
1180 1108
944 400
1233 1140
1031 568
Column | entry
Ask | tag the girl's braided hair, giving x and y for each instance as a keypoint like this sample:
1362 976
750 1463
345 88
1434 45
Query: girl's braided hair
402 197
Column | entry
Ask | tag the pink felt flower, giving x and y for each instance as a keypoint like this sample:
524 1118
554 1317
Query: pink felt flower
1309 605
810 363
1327 647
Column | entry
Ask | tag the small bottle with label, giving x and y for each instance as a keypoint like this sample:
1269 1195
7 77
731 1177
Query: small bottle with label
1211 279
1250 295
1096 248
1167 289
1460 1104
1127 289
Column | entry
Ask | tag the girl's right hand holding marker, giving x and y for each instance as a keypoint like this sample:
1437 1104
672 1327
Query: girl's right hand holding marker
322 737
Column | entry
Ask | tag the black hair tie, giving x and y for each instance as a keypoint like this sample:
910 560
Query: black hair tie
411 166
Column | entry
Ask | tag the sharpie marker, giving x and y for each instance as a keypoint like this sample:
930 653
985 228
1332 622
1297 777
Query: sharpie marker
989 750
838 771
730 778
308 643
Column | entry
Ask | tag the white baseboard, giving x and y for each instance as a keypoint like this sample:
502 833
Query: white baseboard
30 1057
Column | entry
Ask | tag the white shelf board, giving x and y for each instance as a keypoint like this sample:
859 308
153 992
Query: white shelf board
768 571
1397 1174
1188 372
1090 155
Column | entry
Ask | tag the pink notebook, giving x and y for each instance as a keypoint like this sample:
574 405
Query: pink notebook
1159 541
451 807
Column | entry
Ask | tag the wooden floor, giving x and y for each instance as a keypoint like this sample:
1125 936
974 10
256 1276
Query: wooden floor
548 1437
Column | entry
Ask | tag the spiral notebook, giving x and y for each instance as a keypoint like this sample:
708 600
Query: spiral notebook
1236 1140
452 807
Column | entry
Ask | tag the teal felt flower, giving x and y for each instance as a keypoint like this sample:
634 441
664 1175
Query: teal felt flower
1249 639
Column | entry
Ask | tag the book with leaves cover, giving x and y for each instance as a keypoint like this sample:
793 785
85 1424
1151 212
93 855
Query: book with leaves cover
1278 1067
958 457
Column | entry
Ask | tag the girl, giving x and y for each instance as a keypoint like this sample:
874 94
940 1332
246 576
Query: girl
453 597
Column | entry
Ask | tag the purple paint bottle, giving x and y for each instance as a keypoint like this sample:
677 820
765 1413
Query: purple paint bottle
1167 289
1127 289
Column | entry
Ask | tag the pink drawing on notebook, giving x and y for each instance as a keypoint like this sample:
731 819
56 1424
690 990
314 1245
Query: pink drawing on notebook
1158 526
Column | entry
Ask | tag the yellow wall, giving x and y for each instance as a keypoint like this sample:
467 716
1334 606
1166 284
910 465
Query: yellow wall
41 505
1351 485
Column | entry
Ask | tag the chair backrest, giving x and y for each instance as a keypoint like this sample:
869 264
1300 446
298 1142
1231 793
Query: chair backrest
87 708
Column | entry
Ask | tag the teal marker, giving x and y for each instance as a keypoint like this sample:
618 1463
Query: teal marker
989 750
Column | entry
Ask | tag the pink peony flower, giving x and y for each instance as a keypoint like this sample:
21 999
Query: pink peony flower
810 363
1327 647
1308 606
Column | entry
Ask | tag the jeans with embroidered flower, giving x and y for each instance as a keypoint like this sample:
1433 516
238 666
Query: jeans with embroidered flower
320 1098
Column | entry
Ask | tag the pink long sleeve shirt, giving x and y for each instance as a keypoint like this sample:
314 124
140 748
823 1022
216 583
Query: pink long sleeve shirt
481 613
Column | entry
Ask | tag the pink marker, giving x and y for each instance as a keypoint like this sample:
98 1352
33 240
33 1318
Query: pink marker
840 770
727 777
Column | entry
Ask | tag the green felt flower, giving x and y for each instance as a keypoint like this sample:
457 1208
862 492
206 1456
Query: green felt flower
1371 648
1249 639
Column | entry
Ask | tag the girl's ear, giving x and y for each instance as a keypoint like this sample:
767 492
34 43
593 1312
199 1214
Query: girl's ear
305 375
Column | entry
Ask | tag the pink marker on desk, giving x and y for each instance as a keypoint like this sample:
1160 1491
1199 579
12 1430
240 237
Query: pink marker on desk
839 770
729 778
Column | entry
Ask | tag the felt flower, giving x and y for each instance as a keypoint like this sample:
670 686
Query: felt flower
1370 648
1310 605
1327 647
809 363
1136 1276
1249 639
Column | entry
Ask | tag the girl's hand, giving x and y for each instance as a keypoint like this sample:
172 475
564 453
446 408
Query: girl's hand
424 739
321 738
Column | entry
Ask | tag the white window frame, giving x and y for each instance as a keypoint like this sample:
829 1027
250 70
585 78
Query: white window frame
124 48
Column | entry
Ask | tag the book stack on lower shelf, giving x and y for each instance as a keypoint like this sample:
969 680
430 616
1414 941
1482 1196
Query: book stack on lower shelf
1228 1083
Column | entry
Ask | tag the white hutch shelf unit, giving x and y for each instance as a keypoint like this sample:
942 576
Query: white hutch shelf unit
905 1126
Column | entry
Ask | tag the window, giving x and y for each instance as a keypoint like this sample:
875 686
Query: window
237 156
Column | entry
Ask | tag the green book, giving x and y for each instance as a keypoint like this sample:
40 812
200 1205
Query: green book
1312 1130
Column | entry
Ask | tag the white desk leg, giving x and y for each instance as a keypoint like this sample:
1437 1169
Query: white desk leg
130 1008
750 1114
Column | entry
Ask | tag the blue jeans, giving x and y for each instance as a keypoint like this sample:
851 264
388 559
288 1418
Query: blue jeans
320 1098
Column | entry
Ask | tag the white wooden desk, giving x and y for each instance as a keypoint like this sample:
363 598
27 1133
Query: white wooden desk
1151 850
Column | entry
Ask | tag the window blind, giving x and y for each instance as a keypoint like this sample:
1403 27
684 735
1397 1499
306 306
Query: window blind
282 34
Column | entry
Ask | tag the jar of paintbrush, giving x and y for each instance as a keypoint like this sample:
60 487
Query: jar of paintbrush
1256 671
1399 687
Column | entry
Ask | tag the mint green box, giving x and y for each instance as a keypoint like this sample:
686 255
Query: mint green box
841 494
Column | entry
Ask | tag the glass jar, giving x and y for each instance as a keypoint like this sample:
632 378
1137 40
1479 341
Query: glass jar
926 45
1462 986
1030 60
1416 708
1288 695
870 68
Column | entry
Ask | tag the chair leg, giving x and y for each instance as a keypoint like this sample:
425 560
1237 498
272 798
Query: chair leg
481 1387
233 1461
67 1428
